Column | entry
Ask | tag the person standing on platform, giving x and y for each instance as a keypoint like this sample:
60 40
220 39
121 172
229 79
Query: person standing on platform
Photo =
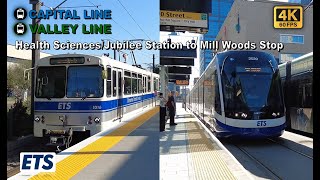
171 106
163 111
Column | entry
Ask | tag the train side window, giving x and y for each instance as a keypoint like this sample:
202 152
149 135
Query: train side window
155 84
140 83
305 95
308 95
144 84
217 102
134 83
127 83
108 82
114 75
149 84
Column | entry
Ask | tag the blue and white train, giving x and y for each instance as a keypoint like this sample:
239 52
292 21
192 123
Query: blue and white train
76 93
240 95
297 80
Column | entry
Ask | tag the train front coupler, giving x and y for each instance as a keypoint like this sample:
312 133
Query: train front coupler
59 138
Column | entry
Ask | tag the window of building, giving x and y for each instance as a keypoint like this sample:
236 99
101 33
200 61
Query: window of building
288 57
292 38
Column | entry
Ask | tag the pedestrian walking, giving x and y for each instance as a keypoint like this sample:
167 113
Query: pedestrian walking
163 112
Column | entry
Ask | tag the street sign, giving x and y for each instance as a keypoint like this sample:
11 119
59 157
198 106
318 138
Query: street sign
186 19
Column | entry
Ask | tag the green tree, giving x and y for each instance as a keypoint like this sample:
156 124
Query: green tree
15 78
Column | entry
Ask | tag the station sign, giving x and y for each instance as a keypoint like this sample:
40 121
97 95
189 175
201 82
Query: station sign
186 19
182 82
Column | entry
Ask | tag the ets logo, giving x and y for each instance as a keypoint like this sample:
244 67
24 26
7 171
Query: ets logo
288 17
35 162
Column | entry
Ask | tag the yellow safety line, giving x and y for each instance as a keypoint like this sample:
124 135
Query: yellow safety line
206 159
74 163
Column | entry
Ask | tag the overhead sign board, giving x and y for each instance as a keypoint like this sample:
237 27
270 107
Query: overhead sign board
187 19
182 82
179 53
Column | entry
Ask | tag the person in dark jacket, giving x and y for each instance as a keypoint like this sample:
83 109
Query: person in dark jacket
171 107
163 111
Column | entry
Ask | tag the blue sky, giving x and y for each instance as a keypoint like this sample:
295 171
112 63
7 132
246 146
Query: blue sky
145 13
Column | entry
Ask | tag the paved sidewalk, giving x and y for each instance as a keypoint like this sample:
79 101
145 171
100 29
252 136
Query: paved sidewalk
187 152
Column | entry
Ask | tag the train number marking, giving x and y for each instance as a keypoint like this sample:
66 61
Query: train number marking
261 123
66 106
96 107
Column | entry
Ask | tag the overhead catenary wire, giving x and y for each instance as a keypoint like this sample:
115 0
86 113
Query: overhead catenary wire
52 8
133 19
114 21
78 6
142 53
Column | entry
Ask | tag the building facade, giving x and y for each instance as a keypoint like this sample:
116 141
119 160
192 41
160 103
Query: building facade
303 2
220 10
14 56
253 21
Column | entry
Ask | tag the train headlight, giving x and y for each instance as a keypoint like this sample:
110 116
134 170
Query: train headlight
37 119
244 115
97 120
274 114
236 114
278 114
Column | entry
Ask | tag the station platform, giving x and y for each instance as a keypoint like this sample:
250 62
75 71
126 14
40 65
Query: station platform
131 150
189 152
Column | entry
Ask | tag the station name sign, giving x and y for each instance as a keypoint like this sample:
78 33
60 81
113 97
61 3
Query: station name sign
186 19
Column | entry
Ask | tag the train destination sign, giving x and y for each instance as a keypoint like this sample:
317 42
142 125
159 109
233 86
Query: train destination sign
182 82
186 19
68 60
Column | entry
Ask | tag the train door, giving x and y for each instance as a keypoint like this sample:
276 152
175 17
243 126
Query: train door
301 104
119 94
144 85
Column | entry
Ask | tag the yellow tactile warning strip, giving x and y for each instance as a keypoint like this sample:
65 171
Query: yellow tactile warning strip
74 163
206 160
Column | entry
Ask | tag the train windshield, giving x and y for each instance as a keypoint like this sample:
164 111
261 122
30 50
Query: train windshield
250 87
85 81
50 82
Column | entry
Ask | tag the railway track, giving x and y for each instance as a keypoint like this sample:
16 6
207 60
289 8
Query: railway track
273 158
291 148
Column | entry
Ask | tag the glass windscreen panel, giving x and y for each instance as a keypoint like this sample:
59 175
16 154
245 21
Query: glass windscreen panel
85 82
251 90
50 82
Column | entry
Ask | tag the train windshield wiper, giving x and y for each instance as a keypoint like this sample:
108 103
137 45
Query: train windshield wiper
223 64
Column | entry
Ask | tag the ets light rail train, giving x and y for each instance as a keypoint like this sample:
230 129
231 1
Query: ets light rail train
297 80
79 94
240 95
